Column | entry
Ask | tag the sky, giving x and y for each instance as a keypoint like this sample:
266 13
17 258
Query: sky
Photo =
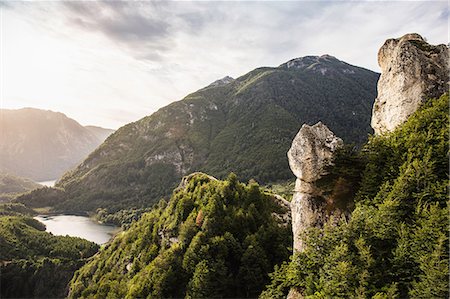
113 62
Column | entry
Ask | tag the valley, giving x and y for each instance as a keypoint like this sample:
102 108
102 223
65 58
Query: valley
314 178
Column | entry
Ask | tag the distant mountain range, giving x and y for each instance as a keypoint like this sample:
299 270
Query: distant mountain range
42 145
242 125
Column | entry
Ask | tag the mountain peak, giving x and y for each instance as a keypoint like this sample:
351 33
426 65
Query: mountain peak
225 80
220 129
328 57
319 64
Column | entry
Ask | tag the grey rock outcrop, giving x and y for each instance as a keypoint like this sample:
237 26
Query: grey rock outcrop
283 215
186 179
411 72
309 156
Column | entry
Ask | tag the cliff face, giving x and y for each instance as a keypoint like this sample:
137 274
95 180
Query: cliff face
412 71
310 154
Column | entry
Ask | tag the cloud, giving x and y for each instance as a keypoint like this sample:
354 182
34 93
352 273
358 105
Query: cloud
159 31
122 21
137 26
137 56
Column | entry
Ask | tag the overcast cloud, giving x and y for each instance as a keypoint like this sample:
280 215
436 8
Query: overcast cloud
110 63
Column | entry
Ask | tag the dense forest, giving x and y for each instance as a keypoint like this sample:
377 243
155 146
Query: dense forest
395 244
212 239
34 263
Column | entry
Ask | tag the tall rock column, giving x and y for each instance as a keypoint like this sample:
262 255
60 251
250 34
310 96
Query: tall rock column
310 154
412 71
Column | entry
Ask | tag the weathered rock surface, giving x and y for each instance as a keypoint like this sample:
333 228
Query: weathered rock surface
295 293
186 179
310 154
283 216
411 72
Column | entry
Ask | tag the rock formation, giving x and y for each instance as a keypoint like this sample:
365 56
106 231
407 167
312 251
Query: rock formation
411 72
309 156
186 179
283 215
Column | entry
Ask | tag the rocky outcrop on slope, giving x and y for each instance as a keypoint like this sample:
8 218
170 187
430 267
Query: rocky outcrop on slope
224 81
309 156
186 179
283 215
412 71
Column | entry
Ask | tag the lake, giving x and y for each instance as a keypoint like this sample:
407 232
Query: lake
78 226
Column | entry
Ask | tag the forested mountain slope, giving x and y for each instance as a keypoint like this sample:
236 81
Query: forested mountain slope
34 263
243 125
212 239
11 185
395 243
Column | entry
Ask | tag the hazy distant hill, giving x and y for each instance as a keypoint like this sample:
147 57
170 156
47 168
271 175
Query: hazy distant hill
244 125
42 145
99 132
11 185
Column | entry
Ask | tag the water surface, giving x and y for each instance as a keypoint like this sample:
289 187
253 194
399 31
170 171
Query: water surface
78 226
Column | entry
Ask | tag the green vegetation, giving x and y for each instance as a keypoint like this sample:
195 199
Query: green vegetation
395 244
284 189
15 209
212 239
122 218
34 263
11 186
245 127
41 198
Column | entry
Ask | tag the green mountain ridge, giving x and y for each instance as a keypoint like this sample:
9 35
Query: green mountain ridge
212 239
244 126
